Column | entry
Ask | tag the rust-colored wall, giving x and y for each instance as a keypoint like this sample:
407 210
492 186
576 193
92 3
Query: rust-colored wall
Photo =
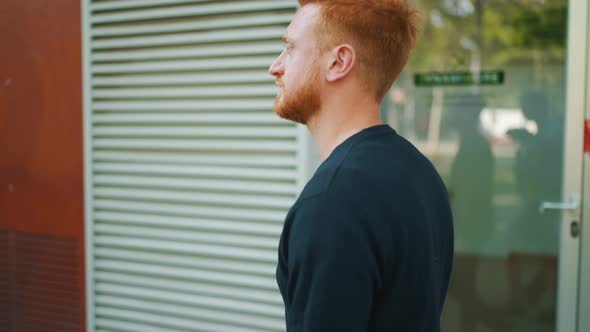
41 146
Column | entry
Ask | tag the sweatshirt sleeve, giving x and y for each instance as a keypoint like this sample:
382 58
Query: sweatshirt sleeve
332 265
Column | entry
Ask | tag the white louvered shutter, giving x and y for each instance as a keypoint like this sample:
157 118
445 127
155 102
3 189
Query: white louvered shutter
189 173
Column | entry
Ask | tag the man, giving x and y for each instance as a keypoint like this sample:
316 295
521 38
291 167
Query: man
368 245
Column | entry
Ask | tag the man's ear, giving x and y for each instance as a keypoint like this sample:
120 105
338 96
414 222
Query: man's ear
341 62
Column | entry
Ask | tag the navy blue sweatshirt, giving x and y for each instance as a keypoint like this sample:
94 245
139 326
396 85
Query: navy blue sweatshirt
368 245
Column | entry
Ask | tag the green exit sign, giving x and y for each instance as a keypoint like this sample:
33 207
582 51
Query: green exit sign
495 77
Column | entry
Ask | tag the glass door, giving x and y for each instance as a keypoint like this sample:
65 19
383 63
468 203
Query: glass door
484 97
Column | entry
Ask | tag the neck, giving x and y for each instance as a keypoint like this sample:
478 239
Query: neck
340 118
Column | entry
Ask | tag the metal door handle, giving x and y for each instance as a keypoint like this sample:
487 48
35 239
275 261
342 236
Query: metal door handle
571 204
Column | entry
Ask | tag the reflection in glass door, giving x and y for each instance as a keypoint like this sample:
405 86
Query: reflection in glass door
484 98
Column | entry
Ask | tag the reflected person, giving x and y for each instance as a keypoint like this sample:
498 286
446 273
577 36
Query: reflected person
538 163
471 188
471 182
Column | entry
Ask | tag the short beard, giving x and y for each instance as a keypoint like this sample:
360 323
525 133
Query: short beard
300 105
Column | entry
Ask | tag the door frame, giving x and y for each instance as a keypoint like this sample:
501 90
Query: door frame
569 251
88 177
580 72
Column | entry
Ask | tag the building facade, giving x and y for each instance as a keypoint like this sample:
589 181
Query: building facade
146 178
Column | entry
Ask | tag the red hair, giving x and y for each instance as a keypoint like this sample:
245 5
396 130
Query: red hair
382 32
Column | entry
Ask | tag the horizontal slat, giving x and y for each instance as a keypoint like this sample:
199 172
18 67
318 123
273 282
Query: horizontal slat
188 144
242 280
31 321
182 299
226 50
56 288
186 11
192 287
251 200
233 159
34 303
210 92
191 210
163 234
269 161
252 20
183 79
191 105
126 4
235 266
107 323
235 227
45 264
196 131
216 36
209 171
192 312
133 321
200 184
261 62
172 118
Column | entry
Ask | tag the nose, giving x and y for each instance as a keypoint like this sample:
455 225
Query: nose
277 68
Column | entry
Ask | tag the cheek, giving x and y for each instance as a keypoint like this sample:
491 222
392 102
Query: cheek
294 79
296 71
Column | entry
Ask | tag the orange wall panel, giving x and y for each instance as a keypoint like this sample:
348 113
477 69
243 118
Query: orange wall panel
41 142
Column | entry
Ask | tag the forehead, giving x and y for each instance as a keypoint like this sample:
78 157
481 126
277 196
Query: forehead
301 27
